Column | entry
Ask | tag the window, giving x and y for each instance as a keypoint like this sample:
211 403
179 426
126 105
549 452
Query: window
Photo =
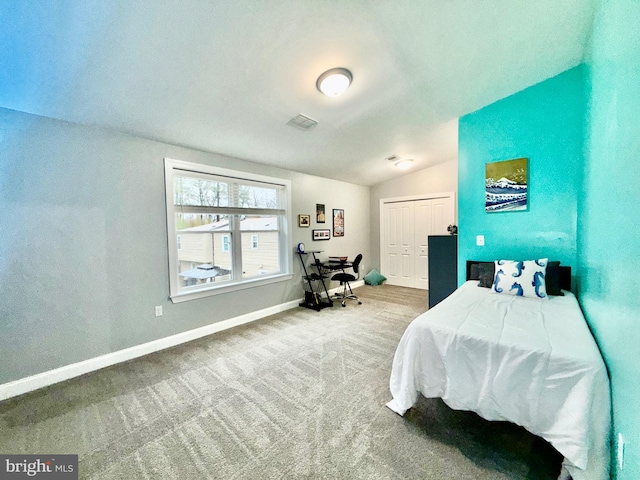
214 219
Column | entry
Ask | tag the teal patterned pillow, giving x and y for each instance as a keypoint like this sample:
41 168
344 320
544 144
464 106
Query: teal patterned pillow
374 277
523 279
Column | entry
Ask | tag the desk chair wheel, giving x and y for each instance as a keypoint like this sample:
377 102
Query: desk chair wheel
344 303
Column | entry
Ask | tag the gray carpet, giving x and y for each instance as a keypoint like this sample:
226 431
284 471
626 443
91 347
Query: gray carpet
299 394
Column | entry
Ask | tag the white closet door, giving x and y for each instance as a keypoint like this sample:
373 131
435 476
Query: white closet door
407 236
391 243
442 215
405 229
423 228
398 243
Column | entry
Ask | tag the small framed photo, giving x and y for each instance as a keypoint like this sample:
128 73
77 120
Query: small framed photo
338 222
304 220
322 234
320 217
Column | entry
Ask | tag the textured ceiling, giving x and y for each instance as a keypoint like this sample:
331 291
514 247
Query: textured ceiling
226 76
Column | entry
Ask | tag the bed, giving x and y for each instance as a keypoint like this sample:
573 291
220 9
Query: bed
528 361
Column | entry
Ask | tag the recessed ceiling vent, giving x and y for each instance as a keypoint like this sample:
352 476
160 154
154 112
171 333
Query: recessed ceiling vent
302 122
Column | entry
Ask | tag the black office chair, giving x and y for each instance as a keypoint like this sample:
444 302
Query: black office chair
344 278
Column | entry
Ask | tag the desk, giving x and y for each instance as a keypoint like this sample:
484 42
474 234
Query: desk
314 283
316 295
335 265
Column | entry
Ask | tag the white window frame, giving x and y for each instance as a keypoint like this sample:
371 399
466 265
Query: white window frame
254 241
204 290
226 243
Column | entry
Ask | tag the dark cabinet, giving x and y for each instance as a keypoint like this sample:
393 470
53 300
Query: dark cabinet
443 267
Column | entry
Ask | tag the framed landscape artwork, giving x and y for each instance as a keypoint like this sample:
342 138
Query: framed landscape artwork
320 213
506 186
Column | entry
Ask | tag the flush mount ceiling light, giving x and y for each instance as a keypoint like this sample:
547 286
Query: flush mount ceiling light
334 82
404 164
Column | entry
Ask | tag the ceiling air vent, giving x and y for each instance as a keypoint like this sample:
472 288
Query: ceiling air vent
302 122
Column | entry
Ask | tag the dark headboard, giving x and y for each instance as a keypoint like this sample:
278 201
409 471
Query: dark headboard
565 274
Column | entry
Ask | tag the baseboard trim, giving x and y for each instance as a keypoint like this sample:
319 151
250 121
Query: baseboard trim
67 372
356 284
51 377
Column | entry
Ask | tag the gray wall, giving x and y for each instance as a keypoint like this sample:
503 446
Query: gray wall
437 179
83 242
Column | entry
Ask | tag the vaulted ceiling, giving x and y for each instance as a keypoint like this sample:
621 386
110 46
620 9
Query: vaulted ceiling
226 76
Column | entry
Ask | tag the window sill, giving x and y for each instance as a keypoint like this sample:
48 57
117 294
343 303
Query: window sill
217 290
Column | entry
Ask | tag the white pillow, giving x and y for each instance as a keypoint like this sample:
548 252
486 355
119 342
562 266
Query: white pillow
524 279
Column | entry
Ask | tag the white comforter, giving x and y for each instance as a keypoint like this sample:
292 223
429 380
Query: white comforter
528 361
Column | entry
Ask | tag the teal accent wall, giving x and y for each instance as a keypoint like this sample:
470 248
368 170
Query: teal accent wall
609 227
581 133
544 123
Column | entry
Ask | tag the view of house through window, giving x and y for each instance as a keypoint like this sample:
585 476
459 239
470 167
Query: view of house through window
227 229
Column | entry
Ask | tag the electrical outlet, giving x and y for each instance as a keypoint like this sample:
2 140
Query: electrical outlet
620 451
159 311
480 240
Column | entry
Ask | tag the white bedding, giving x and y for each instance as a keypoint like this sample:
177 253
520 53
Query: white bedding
528 361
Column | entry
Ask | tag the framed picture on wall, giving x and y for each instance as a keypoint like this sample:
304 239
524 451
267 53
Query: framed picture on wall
338 222
304 220
320 217
506 186
322 234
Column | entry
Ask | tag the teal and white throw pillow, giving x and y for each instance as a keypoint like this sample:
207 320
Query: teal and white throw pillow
523 279
374 277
